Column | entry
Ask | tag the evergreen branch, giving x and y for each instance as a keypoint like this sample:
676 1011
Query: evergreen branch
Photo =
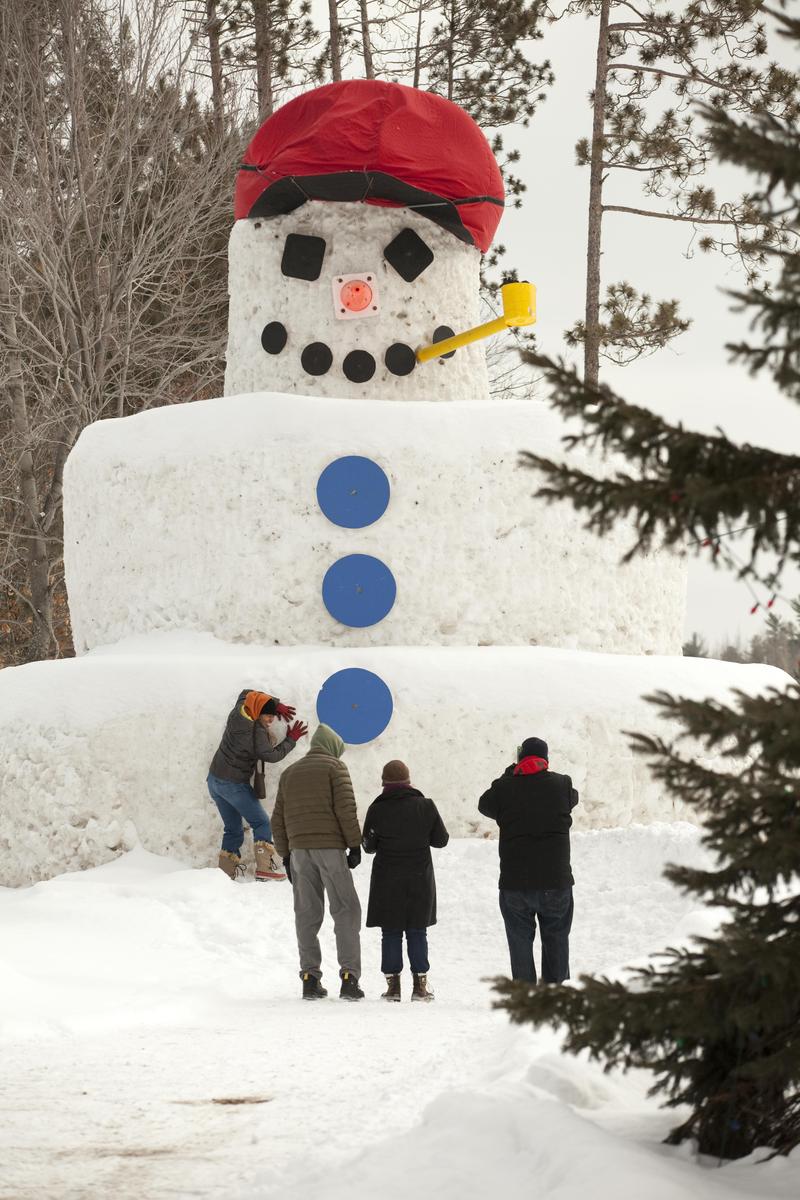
646 212
688 484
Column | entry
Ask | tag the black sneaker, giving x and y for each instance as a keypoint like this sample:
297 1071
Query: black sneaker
312 988
350 989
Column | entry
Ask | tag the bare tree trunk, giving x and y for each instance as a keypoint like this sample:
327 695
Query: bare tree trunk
212 28
34 544
451 51
366 46
418 47
336 36
263 48
591 348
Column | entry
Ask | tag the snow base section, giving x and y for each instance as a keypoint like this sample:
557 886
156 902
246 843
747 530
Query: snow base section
204 517
105 752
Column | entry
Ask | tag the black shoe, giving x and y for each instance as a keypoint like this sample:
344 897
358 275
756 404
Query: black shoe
312 988
350 989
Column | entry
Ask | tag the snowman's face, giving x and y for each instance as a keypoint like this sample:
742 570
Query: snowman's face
335 299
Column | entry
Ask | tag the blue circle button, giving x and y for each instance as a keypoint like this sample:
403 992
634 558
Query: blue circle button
356 703
353 491
359 590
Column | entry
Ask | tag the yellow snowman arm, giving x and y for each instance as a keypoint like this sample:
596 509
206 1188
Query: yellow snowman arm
519 308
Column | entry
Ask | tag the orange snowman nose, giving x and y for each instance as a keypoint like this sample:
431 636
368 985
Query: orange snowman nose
356 295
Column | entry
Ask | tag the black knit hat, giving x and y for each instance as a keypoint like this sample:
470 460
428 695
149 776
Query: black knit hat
533 748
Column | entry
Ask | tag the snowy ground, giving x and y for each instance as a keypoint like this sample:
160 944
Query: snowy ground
142 999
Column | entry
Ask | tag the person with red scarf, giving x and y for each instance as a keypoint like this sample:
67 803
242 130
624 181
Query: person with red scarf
532 806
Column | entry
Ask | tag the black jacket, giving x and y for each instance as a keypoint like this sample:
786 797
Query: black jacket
399 829
533 813
242 743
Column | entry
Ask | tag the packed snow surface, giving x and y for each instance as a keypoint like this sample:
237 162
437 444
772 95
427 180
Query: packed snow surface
101 752
355 236
204 517
155 1046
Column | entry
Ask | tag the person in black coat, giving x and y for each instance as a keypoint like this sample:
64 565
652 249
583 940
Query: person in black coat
532 805
399 829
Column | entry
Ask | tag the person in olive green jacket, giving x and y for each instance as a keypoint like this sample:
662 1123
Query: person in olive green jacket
316 831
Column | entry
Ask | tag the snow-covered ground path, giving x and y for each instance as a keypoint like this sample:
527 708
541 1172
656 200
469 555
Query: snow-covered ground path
141 1000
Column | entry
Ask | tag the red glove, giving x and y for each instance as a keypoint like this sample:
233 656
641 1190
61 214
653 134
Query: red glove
285 711
296 731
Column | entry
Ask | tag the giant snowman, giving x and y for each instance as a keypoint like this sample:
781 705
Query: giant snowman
348 528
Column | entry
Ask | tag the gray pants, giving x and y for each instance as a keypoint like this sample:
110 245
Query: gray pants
315 872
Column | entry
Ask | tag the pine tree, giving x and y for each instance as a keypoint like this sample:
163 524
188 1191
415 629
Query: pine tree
702 49
718 1022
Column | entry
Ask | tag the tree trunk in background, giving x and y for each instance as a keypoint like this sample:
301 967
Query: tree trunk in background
33 542
263 50
591 349
451 49
212 29
335 35
369 70
418 47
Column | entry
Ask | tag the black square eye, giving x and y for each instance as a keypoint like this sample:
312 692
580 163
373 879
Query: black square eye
408 254
302 256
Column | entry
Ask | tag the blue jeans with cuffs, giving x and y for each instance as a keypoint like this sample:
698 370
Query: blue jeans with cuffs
237 802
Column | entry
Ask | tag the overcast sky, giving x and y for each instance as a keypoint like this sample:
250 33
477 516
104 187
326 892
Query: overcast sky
692 382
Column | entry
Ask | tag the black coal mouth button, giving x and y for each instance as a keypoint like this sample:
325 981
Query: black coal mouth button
400 359
316 358
273 337
441 334
359 366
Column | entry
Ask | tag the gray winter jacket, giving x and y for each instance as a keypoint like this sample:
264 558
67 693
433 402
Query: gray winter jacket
243 742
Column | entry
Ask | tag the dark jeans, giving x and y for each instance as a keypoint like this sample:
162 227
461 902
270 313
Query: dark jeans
392 951
554 908
236 801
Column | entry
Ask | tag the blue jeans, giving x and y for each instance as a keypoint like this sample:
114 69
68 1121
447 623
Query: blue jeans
554 908
236 801
392 951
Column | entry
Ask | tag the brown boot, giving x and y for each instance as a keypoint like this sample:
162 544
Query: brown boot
230 863
393 988
267 865
421 990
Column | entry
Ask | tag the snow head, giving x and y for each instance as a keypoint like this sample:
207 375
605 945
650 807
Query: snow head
362 211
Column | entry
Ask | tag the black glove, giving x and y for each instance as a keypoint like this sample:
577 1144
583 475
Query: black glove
353 857
287 866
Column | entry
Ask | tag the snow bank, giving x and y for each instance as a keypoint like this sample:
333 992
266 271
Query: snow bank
355 235
204 517
101 752
154 1045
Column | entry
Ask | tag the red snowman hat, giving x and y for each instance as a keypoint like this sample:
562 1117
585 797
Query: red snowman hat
377 143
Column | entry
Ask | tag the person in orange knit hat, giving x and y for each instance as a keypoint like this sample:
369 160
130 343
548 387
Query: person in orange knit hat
244 743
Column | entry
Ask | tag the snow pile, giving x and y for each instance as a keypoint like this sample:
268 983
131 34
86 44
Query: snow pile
355 235
100 753
154 1044
204 517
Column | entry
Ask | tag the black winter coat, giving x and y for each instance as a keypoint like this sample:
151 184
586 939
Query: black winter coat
399 829
243 742
533 813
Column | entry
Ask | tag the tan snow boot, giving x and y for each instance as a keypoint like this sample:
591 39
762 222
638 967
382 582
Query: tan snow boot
421 990
230 863
392 988
267 865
